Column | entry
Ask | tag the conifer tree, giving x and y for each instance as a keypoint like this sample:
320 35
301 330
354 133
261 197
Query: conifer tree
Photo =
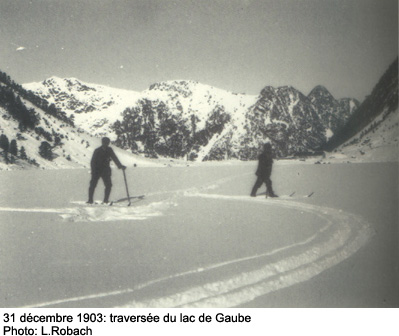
45 151
13 147
22 153
4 144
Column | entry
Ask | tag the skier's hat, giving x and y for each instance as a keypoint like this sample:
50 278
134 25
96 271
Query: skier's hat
105 141
267 146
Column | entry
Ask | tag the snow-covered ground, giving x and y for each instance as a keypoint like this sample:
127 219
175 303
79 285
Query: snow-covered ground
199 240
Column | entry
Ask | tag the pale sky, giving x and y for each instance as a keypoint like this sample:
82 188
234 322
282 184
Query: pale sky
236 45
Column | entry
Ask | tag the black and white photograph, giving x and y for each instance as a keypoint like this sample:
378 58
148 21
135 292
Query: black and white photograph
199 154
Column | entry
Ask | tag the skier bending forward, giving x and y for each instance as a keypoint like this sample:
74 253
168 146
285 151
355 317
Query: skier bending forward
264 171
100 168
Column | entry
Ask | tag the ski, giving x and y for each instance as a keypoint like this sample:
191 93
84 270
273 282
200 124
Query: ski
111 203
289 196
282 196
139 197
99 204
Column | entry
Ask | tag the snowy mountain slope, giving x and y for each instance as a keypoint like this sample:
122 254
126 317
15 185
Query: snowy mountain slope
181 119
199 99
188 119
372 132
291 121
94 107
72 150
36 131
379 142
382 101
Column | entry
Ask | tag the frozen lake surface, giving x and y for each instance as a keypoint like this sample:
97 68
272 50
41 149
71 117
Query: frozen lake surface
199 240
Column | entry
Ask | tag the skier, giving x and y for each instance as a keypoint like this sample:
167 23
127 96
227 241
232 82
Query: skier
264 171
100 168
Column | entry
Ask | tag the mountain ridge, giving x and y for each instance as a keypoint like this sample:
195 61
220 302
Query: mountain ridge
192 108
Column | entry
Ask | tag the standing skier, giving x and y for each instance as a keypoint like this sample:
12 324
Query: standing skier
100 168
264 171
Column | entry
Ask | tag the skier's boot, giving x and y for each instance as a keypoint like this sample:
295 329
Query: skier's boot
270 193
90 201
269 188
253 192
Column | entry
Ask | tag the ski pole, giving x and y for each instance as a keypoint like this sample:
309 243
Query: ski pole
127 189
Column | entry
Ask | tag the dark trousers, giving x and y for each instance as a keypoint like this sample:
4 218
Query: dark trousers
106 177
263 178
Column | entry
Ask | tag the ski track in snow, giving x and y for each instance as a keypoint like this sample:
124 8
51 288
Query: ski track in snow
346 234
340 237
101 213
83 212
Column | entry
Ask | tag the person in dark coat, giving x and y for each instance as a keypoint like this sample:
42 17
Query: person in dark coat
264 171
100 168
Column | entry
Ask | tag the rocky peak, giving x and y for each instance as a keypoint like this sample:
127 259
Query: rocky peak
67 84
268 91
333 113
183 87
320 90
